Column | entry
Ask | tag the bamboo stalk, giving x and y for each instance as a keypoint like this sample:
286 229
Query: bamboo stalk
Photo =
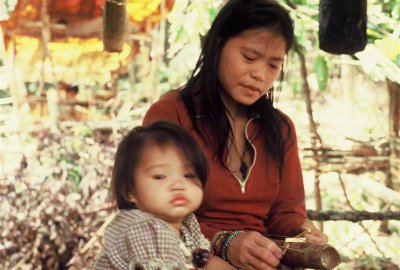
309 255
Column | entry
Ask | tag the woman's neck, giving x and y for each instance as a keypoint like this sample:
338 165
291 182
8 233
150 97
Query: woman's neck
234 110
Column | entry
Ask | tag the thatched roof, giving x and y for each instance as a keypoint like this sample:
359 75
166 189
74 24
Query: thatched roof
73 29
78 18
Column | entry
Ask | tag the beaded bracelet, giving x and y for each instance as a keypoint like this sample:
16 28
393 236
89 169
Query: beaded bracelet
225 244
218 241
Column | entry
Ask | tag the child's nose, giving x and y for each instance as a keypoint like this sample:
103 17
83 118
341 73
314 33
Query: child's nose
178 183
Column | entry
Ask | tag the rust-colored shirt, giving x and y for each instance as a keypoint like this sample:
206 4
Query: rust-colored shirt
261 202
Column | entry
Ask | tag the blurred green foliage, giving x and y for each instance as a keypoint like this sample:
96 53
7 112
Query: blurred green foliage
189 21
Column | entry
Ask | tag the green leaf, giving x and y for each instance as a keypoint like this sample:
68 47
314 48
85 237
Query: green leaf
212 12
321 70
364 197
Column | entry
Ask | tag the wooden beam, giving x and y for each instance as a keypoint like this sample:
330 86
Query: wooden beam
353 216
378 190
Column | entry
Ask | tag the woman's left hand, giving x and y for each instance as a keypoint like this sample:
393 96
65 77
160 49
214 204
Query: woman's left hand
312 234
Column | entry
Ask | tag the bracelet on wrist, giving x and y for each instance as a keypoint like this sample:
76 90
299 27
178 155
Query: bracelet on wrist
218 242
226 242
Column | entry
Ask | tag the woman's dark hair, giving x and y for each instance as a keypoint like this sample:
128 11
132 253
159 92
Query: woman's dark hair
234 18
159 133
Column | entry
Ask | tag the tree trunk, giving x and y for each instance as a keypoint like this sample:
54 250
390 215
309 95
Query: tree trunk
315 137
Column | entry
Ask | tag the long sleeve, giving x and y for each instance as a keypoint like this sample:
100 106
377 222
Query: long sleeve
288 210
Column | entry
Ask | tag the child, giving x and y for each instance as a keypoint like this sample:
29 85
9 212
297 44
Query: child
158 179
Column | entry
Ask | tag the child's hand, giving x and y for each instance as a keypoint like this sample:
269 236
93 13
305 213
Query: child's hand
312 234
216 263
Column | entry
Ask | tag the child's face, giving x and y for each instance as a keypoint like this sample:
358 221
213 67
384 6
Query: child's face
166 186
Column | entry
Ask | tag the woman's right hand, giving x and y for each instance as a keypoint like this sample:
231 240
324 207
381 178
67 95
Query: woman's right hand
251 251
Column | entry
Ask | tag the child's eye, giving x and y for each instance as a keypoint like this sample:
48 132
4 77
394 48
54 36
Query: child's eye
190 175
158 176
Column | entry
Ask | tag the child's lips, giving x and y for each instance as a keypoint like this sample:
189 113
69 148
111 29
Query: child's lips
179 200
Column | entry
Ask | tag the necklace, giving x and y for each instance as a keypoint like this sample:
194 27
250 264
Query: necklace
243 168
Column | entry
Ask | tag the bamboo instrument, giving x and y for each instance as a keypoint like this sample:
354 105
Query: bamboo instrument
308 255
114 25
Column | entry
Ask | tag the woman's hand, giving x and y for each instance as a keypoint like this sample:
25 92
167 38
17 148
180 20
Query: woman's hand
251 251
312 234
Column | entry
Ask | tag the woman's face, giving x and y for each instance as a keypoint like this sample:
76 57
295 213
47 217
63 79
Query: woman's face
249 64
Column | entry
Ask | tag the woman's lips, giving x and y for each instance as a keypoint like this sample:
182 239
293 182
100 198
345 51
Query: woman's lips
251 88
179 200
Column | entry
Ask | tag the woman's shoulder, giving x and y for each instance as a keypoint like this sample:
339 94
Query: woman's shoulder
171 95
288 128
282 114
169 106
285 118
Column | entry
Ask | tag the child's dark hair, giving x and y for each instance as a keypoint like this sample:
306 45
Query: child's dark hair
130 149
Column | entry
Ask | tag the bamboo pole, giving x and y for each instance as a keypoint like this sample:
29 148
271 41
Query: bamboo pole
308 255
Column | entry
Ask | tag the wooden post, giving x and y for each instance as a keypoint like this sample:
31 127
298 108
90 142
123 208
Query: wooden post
315 137
394 108
394 127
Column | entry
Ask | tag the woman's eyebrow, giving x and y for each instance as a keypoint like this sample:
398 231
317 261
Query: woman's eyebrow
246 48
256 52
277 59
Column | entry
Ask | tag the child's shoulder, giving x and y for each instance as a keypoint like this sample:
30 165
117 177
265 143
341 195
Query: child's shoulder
132 222
128 218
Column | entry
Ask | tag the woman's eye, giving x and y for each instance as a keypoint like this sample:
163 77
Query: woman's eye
158 176
276 66
248 58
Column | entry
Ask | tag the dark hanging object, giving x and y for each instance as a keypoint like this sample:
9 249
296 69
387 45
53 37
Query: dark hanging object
114 25
342 26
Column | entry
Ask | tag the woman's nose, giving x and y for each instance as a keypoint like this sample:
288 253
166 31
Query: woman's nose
258 73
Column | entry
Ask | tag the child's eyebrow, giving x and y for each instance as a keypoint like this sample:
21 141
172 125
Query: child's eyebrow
155 166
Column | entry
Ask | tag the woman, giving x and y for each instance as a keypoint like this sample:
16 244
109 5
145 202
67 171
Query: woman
255 188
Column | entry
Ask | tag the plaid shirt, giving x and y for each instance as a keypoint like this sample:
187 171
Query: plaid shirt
137 239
